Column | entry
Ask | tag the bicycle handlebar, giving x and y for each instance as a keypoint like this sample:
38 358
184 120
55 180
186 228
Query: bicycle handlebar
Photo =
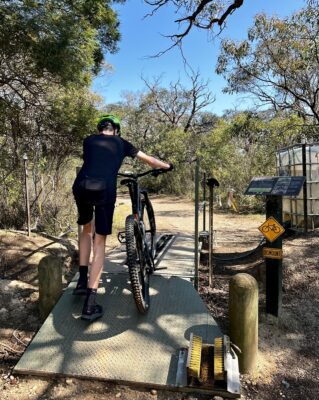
154 172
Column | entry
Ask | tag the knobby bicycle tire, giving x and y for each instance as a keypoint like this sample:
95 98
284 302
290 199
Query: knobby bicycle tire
136 264
150 224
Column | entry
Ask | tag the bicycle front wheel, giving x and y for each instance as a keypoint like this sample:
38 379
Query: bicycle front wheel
150 225
136 261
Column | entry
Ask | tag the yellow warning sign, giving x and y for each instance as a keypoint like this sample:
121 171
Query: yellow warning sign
271 229
269 252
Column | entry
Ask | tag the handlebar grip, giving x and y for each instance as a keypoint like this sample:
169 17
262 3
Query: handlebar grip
156 172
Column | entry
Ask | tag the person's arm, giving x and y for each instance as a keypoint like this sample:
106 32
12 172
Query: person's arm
152 161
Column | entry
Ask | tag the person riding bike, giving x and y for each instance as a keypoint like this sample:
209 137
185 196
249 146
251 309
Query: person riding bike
94 190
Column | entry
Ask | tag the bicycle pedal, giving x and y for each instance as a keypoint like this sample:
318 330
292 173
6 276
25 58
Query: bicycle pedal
121 237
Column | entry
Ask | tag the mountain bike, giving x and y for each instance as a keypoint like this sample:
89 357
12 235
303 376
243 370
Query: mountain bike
140 238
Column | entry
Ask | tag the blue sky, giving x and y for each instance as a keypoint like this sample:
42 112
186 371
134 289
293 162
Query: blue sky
142 38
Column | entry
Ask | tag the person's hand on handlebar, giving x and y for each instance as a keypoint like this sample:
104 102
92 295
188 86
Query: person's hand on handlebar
153 162
159 171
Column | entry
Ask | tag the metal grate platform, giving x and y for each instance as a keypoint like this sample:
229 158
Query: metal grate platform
176 260
124 346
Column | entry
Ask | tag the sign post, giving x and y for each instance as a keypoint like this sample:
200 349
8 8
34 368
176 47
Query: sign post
196 223
274 265
211 183
27 200
274 188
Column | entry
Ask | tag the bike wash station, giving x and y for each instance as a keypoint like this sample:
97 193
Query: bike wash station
274 190
188 351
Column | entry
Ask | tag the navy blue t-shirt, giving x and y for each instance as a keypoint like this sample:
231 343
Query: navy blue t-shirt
103 156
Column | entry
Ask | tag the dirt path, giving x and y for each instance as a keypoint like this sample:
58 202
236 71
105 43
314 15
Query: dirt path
288 348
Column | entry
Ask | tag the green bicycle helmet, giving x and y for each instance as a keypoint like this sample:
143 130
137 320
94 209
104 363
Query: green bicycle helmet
105 119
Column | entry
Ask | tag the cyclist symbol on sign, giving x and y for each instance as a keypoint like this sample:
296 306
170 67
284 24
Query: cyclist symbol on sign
270 227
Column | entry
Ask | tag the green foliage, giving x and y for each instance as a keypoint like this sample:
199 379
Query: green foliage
244 146
174 146
278 63
233 148
63 38
49 51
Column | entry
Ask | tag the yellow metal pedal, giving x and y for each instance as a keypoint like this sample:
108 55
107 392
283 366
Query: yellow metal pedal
194 356
219 359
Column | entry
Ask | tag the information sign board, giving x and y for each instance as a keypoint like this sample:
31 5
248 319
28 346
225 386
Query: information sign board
275 185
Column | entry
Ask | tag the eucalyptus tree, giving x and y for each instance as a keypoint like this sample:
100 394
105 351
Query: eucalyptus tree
243 145
180 105
169 121
278 63
49 51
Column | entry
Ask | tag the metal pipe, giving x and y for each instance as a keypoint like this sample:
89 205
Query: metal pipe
211 236
196 277
204 202
211 183
25 159
305 201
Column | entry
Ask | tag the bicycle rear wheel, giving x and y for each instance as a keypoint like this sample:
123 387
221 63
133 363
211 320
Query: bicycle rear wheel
136 261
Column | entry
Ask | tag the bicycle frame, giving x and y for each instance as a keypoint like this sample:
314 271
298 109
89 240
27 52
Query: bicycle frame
135 195
135 191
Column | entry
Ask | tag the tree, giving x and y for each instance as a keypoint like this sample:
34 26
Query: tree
278 63
168 122
202 14
50 50
59 41
243 146
180 106
149 115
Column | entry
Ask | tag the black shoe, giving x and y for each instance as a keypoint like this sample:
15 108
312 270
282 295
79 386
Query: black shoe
91 313
81 288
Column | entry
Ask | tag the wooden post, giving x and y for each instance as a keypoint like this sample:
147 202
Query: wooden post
50 284
243 318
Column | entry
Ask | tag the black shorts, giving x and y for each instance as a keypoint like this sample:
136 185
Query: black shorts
102 210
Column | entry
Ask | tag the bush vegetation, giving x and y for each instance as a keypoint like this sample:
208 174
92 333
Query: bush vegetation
47 108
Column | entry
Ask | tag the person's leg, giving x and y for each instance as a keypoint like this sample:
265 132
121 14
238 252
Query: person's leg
85 250
85 217
98 260
85 244
103 227
91 310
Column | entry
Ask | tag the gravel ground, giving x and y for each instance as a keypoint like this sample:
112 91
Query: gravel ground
288 356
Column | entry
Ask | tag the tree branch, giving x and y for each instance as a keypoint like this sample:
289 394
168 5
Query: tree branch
199 11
